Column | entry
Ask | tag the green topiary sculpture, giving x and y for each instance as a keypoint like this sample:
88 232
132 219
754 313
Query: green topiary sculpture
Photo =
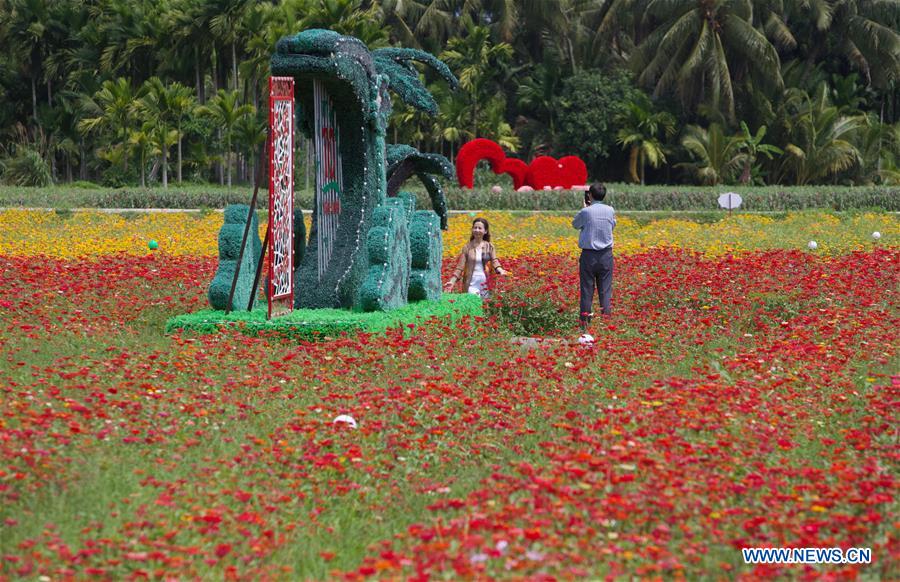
230 237
362 258
426 247
387 248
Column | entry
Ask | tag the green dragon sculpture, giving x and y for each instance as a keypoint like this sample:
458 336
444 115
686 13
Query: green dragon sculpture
382 252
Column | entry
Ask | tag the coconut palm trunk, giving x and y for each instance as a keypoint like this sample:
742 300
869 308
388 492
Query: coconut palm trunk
179 155
228 156
633 164
34 100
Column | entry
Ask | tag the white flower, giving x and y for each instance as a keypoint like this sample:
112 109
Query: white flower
812 245
876 235
345 419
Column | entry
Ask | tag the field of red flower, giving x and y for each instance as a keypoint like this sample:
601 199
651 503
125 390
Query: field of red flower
730 402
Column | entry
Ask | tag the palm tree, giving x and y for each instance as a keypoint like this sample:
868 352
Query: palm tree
450 123
751 147
186 23
140 141
615 27
182 106
479 63
159 113
537 97
562 30
64 136
701 48
29 27
863 32
350 18
129 36
429 24
225 111
821 140
640 131
493 125
110 113
717 157
869 33
250 132
225 27
261 28
879 147
402 17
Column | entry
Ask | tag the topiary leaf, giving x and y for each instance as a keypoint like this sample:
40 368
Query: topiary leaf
396 64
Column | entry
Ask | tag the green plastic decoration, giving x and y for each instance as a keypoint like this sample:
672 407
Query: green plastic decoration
385 252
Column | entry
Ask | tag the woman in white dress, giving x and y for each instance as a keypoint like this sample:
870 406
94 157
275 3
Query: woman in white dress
476 261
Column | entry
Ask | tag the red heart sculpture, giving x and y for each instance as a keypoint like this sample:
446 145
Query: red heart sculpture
543 171
574 171
517 169
565 172
473 152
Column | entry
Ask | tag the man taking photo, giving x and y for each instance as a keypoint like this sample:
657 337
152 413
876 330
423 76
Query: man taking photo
595 266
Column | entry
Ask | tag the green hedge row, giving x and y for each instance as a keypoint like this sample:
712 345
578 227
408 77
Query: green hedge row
628 197
622 196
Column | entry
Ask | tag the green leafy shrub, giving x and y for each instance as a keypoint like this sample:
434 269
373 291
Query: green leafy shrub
84 185
526 313
27 168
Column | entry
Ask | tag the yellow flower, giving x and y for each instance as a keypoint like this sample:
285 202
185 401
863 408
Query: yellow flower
95 233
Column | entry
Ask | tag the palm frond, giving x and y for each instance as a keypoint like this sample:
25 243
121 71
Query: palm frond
698 53
777 30
756 49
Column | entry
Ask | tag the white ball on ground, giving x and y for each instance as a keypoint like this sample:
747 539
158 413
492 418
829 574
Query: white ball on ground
876 235
586 339
812 245
345 419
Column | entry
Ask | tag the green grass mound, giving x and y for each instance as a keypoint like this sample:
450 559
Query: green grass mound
325 323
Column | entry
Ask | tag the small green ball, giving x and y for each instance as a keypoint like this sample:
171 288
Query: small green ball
153 245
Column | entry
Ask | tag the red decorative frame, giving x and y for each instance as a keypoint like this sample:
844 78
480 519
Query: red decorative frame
281 196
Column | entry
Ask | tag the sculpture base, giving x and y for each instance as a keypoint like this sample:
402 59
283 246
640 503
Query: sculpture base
321 324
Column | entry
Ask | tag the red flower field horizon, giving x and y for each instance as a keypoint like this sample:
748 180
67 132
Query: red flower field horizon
736 401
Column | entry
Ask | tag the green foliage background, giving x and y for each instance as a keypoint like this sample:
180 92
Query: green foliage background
129 92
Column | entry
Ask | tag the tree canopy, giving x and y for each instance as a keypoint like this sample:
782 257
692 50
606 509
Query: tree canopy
131 91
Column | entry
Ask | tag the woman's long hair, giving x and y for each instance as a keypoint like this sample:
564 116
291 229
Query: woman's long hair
487 229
